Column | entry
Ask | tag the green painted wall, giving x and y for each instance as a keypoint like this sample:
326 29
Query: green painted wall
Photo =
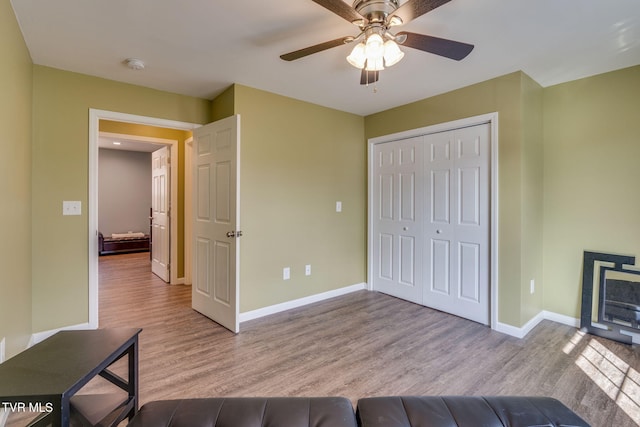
15 184
591 174
297 160
157 132
61 104
223 105
512 96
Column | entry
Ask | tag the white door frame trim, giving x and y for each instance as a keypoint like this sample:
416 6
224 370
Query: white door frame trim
492 120
95 116
188 208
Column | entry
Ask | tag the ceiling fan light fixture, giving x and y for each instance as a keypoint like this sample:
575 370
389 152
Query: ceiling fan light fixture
392 53
373 54
357 58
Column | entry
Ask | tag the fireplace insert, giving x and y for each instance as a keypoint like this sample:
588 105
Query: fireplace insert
622 302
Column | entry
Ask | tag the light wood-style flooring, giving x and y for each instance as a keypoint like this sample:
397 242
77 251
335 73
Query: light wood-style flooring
362 344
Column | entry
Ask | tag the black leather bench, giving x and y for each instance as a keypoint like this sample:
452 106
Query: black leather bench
391 411
123 245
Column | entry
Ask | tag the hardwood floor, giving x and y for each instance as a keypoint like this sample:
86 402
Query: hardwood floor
362 344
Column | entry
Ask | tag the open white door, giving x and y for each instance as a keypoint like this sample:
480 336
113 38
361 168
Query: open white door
216 213
160 164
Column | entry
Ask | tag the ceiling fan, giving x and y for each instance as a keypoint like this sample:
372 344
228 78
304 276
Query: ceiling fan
377 46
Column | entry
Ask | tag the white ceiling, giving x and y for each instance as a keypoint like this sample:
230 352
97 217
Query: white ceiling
200 47
127 143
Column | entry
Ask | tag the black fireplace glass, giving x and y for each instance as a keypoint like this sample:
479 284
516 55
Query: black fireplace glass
620 298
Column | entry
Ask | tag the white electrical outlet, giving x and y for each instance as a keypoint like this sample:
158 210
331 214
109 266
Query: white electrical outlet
533 286
286 273
307 270
71 207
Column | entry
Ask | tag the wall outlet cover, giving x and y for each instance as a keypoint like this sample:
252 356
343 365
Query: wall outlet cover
71 207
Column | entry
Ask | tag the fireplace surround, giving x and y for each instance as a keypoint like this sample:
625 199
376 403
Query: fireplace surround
611 297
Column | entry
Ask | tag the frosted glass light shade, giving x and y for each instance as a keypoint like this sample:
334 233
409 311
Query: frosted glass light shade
357 57
374 47
392 53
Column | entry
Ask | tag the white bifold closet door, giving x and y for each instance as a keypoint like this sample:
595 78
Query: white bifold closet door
431 220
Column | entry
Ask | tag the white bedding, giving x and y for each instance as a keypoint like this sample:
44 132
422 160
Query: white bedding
130 234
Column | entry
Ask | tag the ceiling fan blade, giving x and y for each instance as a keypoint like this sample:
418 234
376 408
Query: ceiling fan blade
291 56
340 8
414 8
368 77
448 48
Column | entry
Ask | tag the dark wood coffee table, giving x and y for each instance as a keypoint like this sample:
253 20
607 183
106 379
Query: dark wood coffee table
45 377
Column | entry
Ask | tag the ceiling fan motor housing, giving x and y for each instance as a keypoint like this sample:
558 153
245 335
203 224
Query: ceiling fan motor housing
375 11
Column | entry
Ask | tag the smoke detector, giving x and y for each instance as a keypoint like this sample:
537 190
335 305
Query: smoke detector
135 64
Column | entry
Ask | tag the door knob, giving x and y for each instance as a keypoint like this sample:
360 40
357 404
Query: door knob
231 234
438 231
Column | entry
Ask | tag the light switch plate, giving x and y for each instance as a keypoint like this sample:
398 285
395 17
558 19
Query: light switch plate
286 273
338 206
71 207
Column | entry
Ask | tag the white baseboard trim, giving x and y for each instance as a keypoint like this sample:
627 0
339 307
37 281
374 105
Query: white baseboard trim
543 315
561 318
277 308
41 336
521 332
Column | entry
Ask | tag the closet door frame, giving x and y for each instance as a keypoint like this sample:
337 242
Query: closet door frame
492 120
